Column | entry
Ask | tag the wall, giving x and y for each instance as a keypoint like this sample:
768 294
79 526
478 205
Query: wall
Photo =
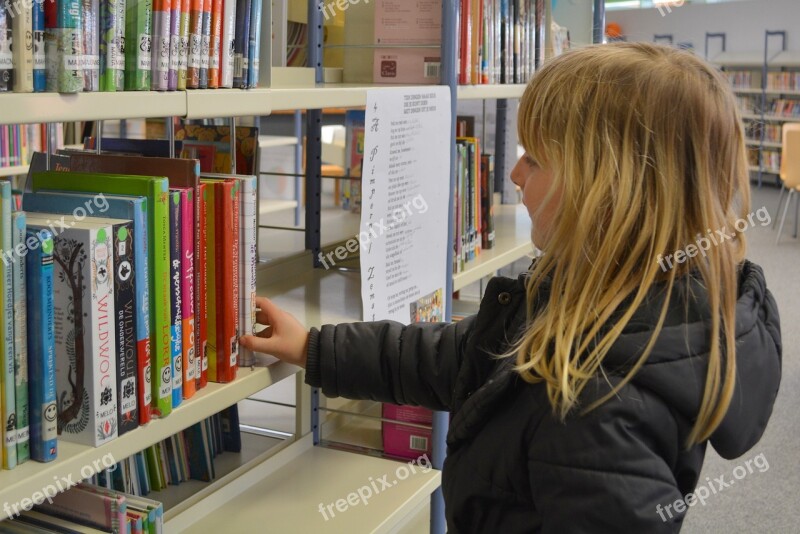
744 23
576 15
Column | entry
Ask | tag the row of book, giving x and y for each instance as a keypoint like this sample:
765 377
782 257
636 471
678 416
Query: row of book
90 508
151 281
473 214
771 159
500 41
785 107
740 79
770 131
747 104
18 142
783 81
70 46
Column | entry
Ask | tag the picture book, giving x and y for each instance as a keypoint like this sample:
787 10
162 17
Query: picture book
138 44
174 44
22 39
205 44
112 43
218 137
7 383
214 52
160 43
39 60
90 27
241 44
183 44
195 44
21 381
176 305
187 276
69 46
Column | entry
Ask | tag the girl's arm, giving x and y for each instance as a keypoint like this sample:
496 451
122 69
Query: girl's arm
383 361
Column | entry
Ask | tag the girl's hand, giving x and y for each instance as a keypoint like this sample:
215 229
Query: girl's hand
284 337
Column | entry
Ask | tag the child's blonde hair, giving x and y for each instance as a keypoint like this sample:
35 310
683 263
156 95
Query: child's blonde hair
647 147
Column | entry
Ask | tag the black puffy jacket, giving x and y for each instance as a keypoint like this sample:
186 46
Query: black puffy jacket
511 465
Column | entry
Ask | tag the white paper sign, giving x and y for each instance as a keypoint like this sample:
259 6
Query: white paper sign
404 208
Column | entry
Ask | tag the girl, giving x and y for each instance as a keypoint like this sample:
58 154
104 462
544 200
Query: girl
583 394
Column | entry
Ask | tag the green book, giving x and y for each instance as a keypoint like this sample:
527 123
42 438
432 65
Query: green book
156 190
8 390
18 227
138 36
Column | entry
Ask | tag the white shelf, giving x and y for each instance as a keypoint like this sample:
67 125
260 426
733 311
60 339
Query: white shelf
765 144
271 141
212 103
479 92
747 90
25 108
14 170
283 493
751 59
789 92
266 206
76 460
512 242
770 118
787 58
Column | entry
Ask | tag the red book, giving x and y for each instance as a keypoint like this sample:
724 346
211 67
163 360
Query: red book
215 50
465 36
201 283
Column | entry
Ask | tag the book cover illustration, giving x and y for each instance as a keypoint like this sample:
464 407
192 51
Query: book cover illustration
219 138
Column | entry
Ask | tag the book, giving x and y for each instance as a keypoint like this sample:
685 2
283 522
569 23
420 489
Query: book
133 208
201 464
112 45
7 386
183 44
39 520
231 435
195 138
39 59
155 190
487 195
187 277
215 48
176 305
254 48
205 44
22 39
19 249
195 44
138 147
159 59
41 346
83 304
90 506
227 45
138 44
6 54
69 46
50 45
241 43
174 44
90 34
201 287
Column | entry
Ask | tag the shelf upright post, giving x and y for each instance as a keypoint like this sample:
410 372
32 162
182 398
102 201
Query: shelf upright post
314 138
298 165
98 141
171 138
232 134
767 35
599 21
711 35
663 37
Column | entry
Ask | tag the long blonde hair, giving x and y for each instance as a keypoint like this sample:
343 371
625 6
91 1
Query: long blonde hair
647 147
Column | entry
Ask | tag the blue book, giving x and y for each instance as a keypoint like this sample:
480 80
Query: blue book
176 304
254 49
39 63
118 207
41 346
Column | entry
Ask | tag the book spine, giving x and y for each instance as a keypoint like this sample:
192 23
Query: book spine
214 51
103 353
112 34
241 43
248 236
211 280
195 43
183 44
176 336
41 344
50 45
174 44
254 50
202 287
125 321
8 395
160 45
187 290
20 338
142 285
22 54
227 46
138 44
90 61
70 56
39 60
205 44
160 305
234 329
487 193
6 55
226 242
465 34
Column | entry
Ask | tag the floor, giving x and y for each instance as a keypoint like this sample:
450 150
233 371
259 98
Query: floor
765 501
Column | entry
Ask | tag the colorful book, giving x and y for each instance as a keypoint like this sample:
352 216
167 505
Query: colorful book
155 189
6 54
22 39
176 304
133 208
187 234
41 346
183 43
138 44
21 381
195 44
38 521
254 48
87 505
241 43
226 64
215 49
201 285
83 303
159 61
69 46
7 387
174 44
39 60
112 45
205 44
90 33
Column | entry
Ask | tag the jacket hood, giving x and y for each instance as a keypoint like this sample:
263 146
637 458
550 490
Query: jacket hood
676 368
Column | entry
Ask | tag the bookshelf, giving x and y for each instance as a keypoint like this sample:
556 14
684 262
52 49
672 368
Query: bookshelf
14 170
282 480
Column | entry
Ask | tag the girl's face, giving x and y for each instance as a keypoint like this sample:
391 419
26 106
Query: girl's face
535 182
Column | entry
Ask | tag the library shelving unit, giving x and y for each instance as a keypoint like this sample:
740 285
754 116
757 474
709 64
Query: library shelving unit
14 170
278 483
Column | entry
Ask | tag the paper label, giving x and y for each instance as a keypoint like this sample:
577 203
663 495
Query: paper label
143 61
73 62
183 51
128 392
163 54
194 51
165 391
206 44
148 390
177 379
39 62
49 421
174 50
23 434
90 62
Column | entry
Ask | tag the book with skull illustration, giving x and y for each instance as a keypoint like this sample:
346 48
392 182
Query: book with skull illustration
85 337
41 346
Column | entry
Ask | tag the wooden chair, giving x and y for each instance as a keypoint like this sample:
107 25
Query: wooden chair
790 173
